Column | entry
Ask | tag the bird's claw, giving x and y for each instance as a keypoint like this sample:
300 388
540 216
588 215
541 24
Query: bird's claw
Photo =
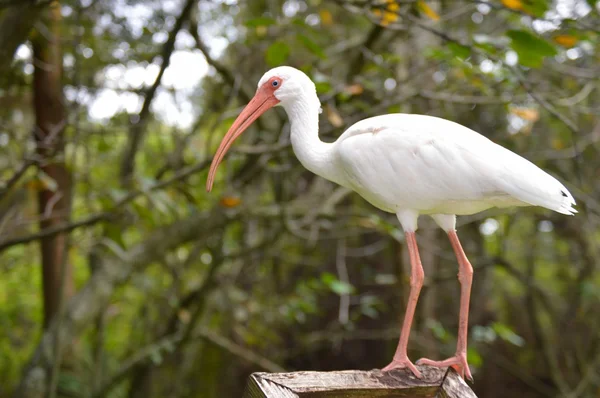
401 363
458 362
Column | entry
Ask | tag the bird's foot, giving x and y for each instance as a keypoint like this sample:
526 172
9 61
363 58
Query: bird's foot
458 362
401 363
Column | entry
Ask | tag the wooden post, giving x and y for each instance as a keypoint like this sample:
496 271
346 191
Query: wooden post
436 383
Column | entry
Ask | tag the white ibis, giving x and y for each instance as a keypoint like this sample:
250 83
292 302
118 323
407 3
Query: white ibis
407 165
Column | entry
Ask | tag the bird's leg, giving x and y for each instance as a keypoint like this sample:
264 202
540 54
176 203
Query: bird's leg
465 276
416 282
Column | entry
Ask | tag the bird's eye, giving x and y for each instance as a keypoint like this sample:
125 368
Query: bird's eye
275 83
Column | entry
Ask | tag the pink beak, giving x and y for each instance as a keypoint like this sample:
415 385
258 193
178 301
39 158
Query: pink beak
263 100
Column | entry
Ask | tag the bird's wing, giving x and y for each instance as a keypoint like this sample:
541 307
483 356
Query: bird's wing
522 179
431 164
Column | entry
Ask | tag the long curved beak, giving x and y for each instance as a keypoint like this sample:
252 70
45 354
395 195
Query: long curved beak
263 100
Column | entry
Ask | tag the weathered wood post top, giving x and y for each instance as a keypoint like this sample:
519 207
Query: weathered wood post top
436 383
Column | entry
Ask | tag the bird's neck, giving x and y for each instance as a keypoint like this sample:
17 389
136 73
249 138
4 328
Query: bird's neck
314 154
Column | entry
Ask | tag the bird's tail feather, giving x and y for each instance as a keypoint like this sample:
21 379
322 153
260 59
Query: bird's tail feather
566 203
530 184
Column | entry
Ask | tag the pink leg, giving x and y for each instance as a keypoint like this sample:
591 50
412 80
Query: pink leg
416 282
465 276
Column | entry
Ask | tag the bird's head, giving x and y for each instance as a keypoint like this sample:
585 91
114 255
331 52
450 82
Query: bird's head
279 86
291 84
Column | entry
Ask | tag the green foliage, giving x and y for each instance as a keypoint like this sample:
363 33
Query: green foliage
260 21
536 8
459 50
312 46
335 285
277 53
531 49
266 277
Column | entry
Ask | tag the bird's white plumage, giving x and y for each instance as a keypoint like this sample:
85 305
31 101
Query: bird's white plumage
295 83
432 166
408 165
415 164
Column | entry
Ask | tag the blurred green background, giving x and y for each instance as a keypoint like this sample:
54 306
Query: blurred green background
112 109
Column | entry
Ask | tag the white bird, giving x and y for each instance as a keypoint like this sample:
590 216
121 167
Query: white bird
407 165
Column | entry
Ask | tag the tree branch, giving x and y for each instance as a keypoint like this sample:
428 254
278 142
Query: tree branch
169 342
225 73
175 337
95 295
238 351
515 71
15 24
103 216
138 129
359 61
16 176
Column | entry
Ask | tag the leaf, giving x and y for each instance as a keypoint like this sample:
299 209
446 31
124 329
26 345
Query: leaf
103 146
529 114
70 384
388 17
334 117
565 40
354 89
459 50
437 329
35 184
277 53
513 4
117 194
558 144
369 311
335 285
427 10
47 182
507 334
474 358
261 21
536 8
230 201
392 6
340 287
369 304
327 278
261 30
326 17
156 357
323 87
184 316
487 47
530 49
312 46
161 201
532 7
589 290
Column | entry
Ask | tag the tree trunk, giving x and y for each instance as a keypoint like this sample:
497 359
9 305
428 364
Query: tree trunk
54 199
16 22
